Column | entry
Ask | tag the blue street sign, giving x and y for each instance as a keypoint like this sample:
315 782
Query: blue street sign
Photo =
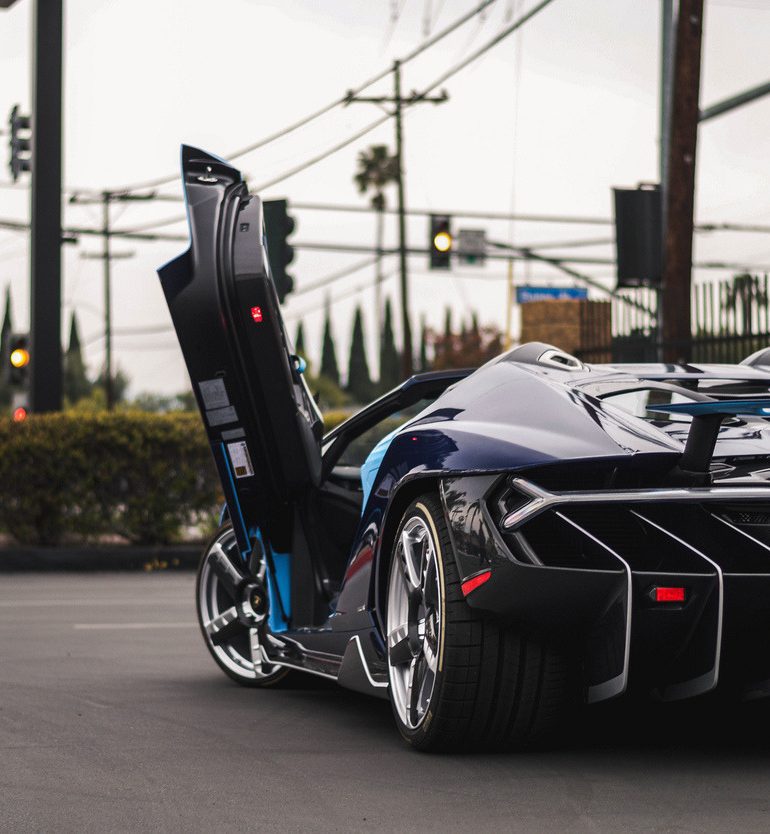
525 294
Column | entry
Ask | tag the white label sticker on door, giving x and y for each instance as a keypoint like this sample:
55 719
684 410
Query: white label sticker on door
239 455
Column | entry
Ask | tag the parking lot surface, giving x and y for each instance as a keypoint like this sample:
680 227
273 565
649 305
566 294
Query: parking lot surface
113 717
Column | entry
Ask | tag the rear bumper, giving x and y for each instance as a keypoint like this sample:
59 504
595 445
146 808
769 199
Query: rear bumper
589 572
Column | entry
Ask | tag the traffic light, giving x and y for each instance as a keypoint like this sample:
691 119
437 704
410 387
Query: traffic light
18 360
19 145
441 241
278 226
639 236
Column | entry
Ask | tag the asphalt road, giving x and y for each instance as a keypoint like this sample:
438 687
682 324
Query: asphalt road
114 718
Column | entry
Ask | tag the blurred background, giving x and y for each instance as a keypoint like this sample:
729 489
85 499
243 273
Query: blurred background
477 173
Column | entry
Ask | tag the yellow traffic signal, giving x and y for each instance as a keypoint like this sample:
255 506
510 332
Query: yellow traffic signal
440 241
443 241
20 357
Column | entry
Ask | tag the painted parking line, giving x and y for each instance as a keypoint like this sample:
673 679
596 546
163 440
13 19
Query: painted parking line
136 626
49 603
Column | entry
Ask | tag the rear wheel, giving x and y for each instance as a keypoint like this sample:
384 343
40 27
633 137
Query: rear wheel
459 680
232 611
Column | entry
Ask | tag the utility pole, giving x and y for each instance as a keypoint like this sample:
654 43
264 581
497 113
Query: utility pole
109 388
680 187
397 100
107 256
45 241
664 116
510 298
379 277
407 351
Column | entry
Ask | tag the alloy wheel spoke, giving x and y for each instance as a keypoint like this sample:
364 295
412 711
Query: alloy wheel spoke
413 691
227 633
401 653
412 558
425 689
399 649
221 620
430 580
430 654
256 650
397 634
229 576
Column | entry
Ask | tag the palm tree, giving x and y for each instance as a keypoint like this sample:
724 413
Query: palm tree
376 170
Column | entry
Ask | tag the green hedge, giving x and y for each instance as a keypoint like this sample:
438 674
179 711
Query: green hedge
82 477
146 478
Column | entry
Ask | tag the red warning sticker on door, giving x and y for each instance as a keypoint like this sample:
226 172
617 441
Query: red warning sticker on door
239 457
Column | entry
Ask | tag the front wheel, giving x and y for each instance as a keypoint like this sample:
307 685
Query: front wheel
459 680
232 612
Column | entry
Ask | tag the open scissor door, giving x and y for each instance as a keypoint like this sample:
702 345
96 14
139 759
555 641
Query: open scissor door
263 426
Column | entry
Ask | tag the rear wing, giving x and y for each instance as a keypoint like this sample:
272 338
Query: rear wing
707 418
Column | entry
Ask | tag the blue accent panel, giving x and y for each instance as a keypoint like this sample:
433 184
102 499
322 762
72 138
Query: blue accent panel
372 463
239 524
278 585
760 408
224 513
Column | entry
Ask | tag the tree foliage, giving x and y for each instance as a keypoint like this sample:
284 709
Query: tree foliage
470 348
359 379
390 363
75 476
76 383
376 169
329 367
299 341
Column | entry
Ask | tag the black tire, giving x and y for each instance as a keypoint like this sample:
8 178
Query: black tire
496 687
232 655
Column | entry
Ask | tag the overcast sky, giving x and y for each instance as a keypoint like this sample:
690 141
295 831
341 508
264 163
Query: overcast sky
546 122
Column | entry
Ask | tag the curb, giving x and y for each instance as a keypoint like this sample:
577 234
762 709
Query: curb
109 558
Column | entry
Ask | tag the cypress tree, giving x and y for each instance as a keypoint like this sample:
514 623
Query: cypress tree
423 346
76 384
329 367
390 373
299 342
359 380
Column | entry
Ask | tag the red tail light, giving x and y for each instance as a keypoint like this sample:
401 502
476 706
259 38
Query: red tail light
474 581
669 594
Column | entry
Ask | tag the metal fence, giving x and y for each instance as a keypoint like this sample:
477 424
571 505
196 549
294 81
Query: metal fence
730 320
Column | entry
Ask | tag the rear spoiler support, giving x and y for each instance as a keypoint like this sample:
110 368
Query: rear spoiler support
707 419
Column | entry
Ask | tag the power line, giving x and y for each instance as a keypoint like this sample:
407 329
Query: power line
575 219
293 315
322 111
519 253
169 221
508 30
471 215
335 276
416 98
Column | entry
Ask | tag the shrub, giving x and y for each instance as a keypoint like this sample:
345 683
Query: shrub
332 419
79 476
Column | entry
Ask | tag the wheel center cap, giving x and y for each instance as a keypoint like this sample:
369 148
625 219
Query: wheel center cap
253 607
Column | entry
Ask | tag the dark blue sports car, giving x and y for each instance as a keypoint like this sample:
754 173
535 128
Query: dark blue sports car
487 548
